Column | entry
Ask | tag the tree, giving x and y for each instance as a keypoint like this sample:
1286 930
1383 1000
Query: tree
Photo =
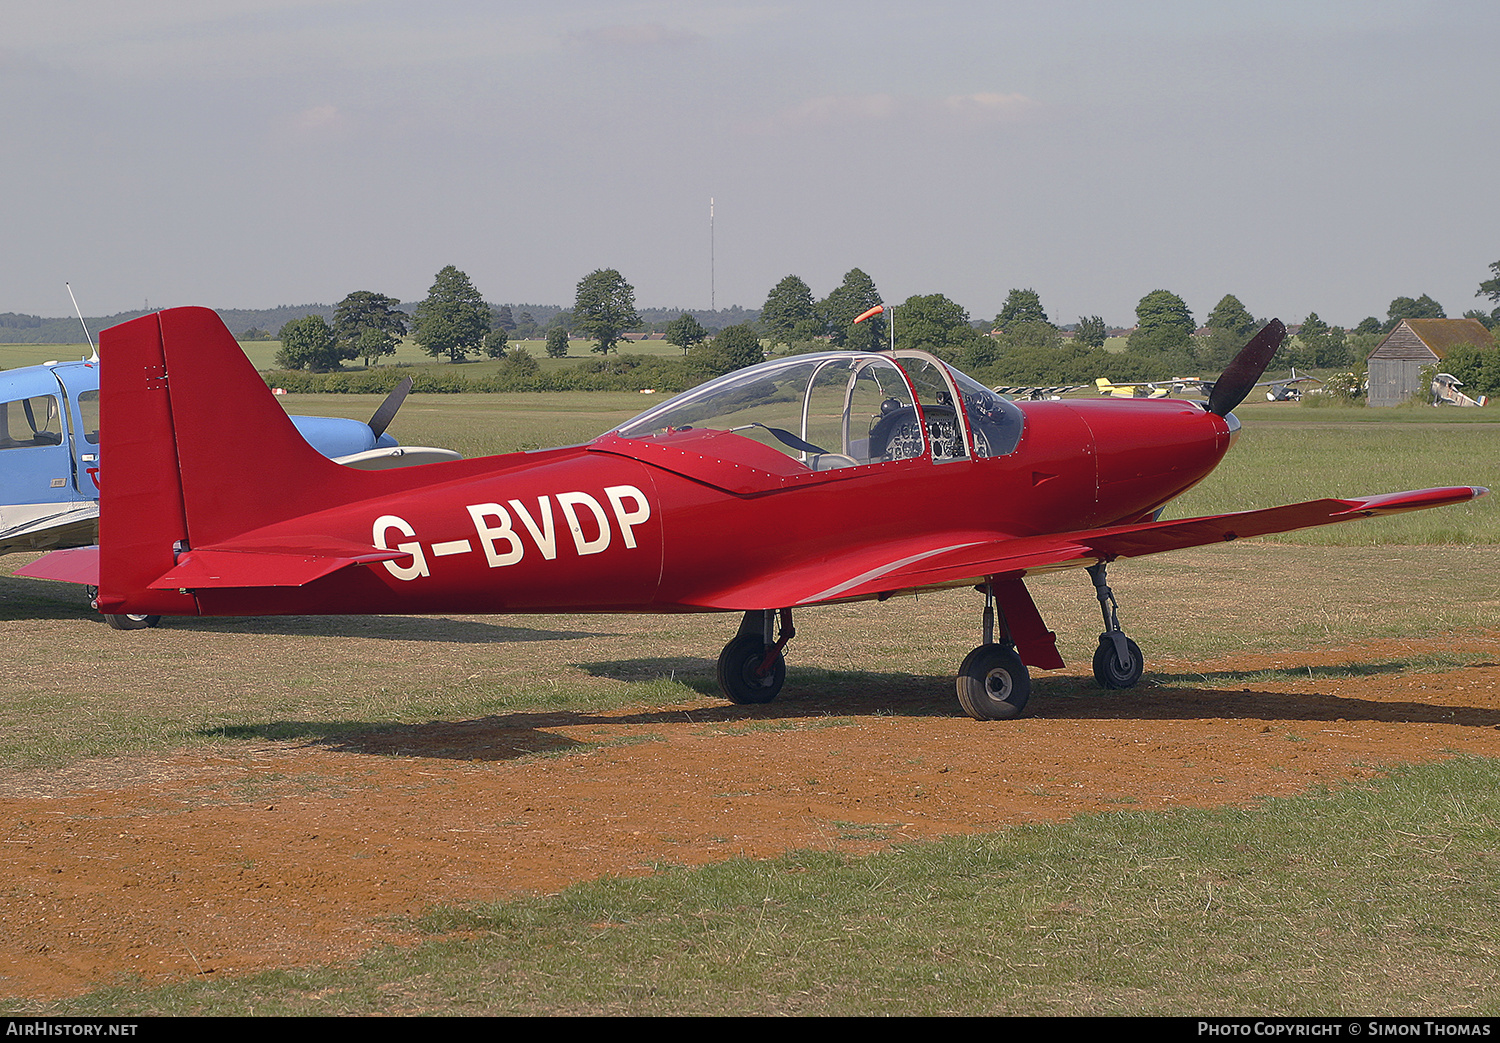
1232 317
517 366
557 343
605 308
495 342
933 323
453 319
1491 287
685 332
789 315
853 297
1163 323
1337 352
1315 338
369 323
1230 325
1028 335
1091 333
1020 306
1478 367
735 347
1423 307
526 327
308 343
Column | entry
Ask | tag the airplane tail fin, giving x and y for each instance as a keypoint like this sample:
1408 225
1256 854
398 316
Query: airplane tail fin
195 450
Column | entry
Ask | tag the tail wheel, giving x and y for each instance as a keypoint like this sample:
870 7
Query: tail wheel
132 622
740 676
993 683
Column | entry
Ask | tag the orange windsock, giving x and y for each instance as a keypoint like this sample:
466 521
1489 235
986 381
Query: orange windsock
862 316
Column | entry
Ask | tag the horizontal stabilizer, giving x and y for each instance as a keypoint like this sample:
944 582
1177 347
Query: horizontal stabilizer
247 565
74 565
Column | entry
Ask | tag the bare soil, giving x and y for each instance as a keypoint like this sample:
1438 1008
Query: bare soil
272 855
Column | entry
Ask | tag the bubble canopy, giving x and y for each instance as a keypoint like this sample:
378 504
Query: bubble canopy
845 409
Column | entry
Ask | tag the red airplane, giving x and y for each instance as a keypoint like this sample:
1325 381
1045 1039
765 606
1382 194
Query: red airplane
821 478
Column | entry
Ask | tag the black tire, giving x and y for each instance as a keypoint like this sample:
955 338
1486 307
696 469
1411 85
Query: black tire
738 664
993 683
1107 669
132 622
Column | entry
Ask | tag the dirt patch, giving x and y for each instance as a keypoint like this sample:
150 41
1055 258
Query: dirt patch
274 855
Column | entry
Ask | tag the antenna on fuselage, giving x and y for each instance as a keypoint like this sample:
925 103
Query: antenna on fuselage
93 351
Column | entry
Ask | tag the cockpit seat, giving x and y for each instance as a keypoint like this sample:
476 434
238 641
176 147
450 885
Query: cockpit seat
830 461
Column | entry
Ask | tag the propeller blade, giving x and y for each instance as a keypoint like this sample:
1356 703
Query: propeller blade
1241 374
387 411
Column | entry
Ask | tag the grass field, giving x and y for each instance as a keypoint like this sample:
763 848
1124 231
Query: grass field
1376 898
1306 906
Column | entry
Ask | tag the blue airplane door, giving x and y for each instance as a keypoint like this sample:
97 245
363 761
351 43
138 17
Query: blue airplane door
35 460
85 439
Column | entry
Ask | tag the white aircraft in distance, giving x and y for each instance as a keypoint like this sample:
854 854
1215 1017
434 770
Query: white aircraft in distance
1277 390
1282 390
1445 392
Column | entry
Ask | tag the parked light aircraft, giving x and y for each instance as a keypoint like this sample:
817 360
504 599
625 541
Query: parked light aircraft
807 480
49 455
1037 394
1147 388
1445 392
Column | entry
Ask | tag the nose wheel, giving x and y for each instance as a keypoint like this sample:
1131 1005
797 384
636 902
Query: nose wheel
1118 662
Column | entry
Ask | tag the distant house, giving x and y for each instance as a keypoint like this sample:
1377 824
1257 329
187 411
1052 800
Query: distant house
1395 366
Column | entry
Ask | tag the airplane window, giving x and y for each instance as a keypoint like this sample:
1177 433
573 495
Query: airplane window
996 423
937 406
31 422
88 409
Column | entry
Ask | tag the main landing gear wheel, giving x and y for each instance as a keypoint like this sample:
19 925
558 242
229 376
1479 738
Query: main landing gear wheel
993 683
132 622
740 676
1110 671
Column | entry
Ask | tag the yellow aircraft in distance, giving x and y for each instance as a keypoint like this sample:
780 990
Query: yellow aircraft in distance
1147 389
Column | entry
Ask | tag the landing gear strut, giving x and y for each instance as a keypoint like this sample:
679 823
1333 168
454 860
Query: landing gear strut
1118 662
751 667
993 683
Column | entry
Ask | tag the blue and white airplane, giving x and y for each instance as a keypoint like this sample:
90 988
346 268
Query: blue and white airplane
49 452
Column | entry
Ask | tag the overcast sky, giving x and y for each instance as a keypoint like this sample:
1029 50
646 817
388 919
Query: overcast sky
1304 156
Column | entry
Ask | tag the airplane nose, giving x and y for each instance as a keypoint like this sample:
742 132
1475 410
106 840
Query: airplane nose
1150 452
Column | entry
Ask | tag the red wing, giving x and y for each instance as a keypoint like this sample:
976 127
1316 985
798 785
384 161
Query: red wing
949 560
